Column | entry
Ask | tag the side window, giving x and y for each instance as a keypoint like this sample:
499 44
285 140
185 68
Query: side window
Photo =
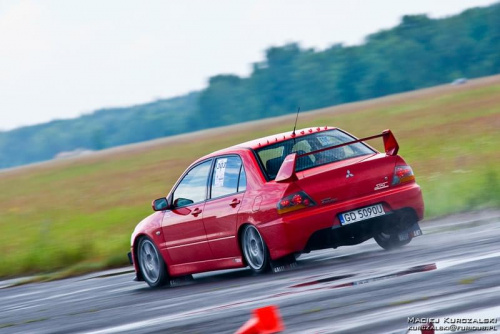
193 187
242 183
225 176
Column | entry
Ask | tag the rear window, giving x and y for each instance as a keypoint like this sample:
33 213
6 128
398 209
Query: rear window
272 156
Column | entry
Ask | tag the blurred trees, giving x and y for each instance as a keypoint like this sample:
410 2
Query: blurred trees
419 52
102 129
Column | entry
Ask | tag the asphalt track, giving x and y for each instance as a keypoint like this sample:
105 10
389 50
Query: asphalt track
452 270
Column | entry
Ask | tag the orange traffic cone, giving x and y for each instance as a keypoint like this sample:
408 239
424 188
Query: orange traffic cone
265 320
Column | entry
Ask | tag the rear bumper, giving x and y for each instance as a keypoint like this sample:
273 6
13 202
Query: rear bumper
356 233
292 232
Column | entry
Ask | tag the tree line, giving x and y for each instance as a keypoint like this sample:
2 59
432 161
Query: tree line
419 52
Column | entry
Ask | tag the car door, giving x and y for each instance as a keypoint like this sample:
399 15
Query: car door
227 188
183 229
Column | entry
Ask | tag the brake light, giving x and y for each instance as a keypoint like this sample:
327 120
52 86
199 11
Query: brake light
296 201
402 174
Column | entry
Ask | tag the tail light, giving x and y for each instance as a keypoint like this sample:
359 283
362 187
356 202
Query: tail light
296 201
402 174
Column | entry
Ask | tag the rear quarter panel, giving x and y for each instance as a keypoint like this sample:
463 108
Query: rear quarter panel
259 204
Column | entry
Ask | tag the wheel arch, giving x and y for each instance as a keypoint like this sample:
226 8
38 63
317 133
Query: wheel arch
138 270
240 235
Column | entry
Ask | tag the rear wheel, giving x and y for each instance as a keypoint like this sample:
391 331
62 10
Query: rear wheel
255 250
153 268
388 237
390 241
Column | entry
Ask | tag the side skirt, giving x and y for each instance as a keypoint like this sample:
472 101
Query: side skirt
203 266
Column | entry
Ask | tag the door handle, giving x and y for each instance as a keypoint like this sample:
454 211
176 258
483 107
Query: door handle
235 202
196 212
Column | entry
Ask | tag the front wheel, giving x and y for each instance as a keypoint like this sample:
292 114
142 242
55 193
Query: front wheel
255 250
153 268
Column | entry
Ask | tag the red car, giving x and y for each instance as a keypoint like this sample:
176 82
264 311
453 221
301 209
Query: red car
259 203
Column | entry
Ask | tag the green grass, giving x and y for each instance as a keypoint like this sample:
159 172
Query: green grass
75 216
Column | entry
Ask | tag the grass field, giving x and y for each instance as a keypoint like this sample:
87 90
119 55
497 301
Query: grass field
77 215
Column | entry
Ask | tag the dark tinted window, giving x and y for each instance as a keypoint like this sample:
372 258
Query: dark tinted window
225 176
272 156
193 186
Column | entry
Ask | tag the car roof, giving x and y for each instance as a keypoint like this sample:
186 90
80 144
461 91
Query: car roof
265 141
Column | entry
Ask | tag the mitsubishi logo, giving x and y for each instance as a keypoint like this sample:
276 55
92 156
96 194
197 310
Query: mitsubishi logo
349 174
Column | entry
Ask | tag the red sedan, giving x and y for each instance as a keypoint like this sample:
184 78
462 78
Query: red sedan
259 203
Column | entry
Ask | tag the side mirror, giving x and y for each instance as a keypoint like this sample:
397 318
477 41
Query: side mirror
160 204
182 202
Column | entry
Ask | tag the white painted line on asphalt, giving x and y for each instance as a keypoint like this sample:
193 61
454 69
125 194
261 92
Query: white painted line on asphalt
140 324
217 309
19 295
451 263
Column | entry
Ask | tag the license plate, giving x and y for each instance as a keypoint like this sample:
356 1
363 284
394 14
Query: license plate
361 214
413 232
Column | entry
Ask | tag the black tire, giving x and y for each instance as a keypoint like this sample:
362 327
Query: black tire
388 238
390 241
151 264
255 251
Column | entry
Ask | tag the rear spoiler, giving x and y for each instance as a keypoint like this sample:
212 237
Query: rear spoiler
286 172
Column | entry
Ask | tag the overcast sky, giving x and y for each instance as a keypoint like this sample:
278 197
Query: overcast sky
60 59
